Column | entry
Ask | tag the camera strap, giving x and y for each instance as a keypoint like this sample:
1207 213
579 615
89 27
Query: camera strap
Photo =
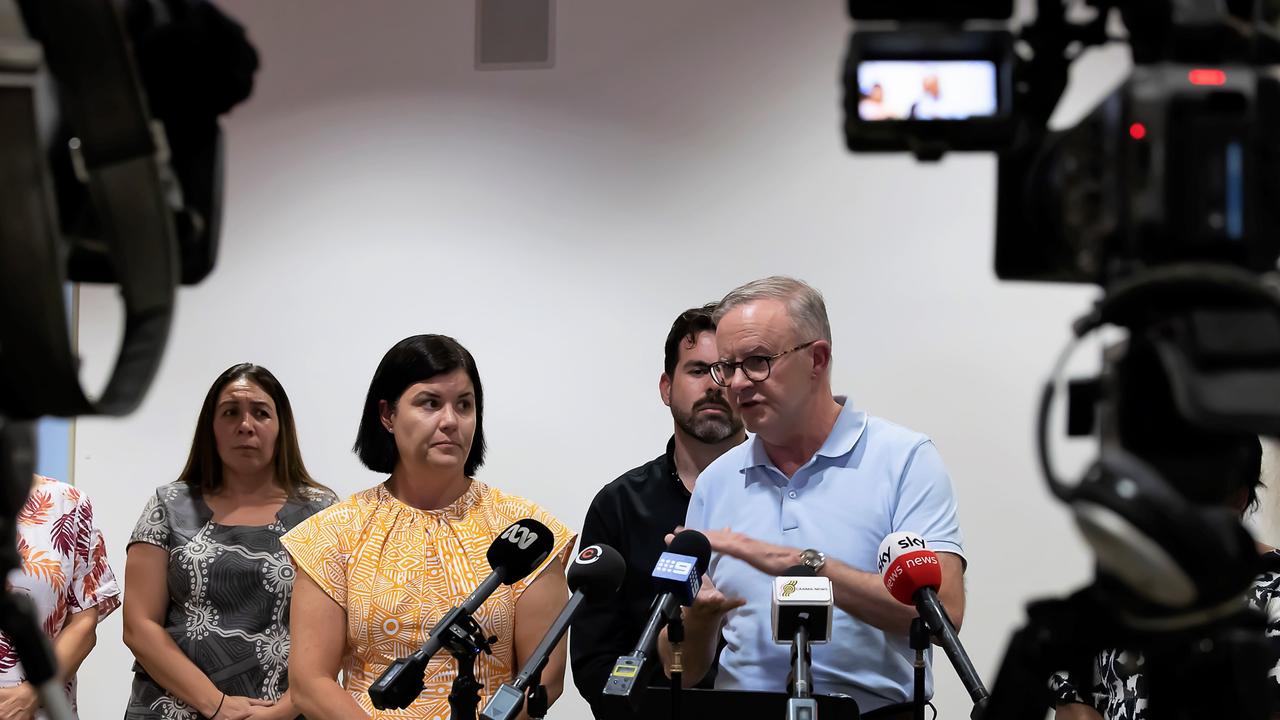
118 157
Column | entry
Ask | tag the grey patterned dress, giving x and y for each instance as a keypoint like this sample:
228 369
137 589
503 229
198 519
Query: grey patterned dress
229 590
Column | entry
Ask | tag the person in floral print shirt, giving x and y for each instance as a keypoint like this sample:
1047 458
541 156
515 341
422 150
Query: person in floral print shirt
66 575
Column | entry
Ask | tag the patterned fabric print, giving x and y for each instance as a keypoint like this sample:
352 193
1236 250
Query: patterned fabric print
229 591
64 566
1265 596
396 570
1119 690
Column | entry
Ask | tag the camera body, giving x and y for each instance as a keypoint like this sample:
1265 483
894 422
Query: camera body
1167 196
1180 163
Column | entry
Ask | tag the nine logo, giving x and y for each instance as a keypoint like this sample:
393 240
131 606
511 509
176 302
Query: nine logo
667 564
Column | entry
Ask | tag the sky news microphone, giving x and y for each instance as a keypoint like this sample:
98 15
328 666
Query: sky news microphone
912 574
521 548
677 577
596 573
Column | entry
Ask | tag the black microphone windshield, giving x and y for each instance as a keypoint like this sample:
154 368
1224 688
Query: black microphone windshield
693 544
519 549
798 571
597 571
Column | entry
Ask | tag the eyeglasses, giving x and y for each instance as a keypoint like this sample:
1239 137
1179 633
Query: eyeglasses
756 367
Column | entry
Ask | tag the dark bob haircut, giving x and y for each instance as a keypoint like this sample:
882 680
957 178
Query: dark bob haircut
412 360
203 471
685 331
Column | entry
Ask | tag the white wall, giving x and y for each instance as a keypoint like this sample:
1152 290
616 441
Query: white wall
555 222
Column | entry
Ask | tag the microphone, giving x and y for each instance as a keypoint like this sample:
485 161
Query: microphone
521 548
678 577
802 610
912 574
801 598
596 572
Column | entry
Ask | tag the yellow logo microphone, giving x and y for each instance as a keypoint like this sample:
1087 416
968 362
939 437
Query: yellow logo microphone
801 598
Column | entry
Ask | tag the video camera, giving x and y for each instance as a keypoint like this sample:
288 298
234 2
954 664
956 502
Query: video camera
111 169
1164 195
1180 163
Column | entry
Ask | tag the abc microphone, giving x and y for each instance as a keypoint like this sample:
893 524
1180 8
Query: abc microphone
596 572
678 577
802 610
912 575
521 548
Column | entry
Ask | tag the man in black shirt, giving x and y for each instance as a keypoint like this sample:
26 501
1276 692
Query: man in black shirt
634 512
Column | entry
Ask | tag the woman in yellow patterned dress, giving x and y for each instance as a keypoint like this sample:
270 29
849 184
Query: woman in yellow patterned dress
380 569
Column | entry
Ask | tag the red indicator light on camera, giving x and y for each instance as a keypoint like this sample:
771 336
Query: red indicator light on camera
1207 76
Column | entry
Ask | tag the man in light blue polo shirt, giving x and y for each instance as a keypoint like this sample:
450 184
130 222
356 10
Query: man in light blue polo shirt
820 483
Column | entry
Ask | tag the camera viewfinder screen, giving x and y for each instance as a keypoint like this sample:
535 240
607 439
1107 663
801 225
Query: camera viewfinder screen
926 89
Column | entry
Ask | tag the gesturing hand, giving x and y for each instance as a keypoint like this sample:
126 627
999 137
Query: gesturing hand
767 558
711 604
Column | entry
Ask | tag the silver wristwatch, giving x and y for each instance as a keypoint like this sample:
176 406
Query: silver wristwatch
813 559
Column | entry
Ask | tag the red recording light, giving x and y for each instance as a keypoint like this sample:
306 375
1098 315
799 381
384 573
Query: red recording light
1207 76
1137 131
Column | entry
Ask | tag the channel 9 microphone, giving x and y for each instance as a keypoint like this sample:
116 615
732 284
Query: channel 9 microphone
802 608
521 548
912 575
678 577
596 573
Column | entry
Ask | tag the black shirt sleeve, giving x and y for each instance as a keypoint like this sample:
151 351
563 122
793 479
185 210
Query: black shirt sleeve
599 634
632 514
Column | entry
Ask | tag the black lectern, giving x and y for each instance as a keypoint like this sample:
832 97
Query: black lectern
698 704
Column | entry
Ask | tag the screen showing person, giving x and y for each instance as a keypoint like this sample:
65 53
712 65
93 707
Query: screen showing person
927 90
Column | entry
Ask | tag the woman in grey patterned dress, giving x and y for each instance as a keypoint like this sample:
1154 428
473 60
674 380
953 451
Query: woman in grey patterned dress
207 582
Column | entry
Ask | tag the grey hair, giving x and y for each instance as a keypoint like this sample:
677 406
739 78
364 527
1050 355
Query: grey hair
805 306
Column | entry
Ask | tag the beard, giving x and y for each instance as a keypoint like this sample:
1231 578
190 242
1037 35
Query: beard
709 429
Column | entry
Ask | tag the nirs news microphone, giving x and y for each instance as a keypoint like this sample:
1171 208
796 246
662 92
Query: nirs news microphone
516 552
802 609
912 574
596 573
678 577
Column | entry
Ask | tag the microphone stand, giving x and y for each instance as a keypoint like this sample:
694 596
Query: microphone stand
939 624
801 705
675 635
919 639
537 697
402 682
464 696
464 646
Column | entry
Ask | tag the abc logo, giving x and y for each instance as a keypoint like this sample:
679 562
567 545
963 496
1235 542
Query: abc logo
589 554
519 536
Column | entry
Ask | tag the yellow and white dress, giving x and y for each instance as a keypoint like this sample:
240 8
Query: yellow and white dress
397 570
